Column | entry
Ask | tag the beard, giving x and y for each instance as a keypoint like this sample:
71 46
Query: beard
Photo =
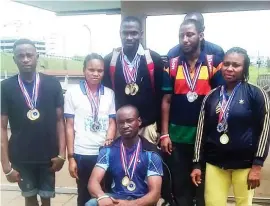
192 50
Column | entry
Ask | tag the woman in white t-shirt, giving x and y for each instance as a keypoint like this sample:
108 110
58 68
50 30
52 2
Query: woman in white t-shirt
90 122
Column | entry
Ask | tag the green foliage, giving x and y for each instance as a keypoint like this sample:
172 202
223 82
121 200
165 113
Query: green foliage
8 65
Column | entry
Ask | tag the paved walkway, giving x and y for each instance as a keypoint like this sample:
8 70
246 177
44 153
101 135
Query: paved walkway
14 198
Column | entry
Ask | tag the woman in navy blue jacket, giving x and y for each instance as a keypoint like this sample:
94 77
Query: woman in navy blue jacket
232 135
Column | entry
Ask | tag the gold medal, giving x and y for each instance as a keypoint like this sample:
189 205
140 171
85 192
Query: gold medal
128 89
134 89
131 186
33 114
224 139
125 181
29 115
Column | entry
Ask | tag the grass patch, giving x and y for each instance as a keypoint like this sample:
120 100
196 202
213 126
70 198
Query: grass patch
254 72
8 65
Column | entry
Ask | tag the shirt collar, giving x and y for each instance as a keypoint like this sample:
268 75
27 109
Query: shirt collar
140 50
101 88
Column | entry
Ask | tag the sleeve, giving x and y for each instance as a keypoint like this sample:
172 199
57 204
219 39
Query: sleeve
158 74
103 158
261 107
154 165
215 50
201 128
167 81
174 51
106 78
217 78
69 110
4 100
112 112
59 98
219 52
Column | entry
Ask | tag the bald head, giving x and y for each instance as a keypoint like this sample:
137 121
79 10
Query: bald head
128 109
196 16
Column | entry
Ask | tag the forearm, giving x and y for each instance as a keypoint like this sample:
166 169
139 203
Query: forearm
165 112
264 138
4 151
95 189
260 158
70 139
61 137
112 129
149 199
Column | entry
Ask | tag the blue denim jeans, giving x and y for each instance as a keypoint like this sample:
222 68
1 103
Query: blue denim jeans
85 164
93 202
37 179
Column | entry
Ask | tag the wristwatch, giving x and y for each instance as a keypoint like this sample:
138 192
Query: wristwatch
70 156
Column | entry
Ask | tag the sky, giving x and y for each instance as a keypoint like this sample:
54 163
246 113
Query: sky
250 30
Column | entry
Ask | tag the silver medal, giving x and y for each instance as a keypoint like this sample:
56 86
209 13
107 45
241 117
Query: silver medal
192 96
131 186
96 126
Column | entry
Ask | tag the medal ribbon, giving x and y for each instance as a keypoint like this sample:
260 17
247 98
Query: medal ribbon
224 104
191 82
31 102
93 101
133 159
130 74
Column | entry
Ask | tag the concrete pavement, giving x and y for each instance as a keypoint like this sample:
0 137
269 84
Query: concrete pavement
14 198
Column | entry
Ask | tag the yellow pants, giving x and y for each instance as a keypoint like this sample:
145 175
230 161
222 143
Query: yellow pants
218 183
149 132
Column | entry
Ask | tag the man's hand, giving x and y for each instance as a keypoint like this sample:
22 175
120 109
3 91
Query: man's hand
106 202
125 203
73 169
166 145
14 176
108 141
57 164
196 177
254 177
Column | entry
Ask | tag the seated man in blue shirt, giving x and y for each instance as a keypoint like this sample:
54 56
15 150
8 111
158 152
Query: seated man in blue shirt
133 164
206 46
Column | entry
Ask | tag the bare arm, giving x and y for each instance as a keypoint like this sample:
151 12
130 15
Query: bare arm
112 129
152 197
94 186
61 132
165 141
72 167
70 135
4 144
165 113
11 174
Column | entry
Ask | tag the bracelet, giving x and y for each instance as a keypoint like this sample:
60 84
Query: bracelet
162 137
62 158
103 197
9 173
